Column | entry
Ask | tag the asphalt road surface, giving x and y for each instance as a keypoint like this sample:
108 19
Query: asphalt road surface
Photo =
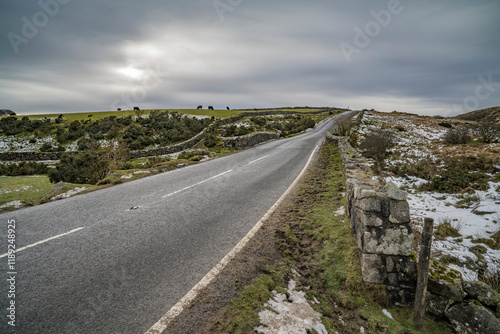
116 260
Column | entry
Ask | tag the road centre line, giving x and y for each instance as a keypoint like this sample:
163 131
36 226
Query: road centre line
162 324
251 162
44 241
197 184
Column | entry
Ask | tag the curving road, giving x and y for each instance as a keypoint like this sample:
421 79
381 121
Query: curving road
116 260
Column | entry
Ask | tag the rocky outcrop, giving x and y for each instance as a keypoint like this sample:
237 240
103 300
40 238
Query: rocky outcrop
471 318
380 217
469 306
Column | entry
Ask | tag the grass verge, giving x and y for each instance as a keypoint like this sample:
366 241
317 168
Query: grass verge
28 190
319 245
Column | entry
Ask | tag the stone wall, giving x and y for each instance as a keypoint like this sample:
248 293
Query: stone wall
248 140
380 217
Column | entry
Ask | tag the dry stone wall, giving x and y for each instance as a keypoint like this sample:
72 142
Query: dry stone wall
248 140
380 217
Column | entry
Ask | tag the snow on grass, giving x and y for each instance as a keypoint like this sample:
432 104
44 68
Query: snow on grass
69 193
22 143
471 225
291 315
13 204
475 216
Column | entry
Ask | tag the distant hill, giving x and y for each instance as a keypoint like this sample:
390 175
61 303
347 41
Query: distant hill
483 115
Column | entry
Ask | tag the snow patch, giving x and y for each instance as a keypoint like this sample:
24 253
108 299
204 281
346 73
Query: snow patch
387 313
293 315
68 193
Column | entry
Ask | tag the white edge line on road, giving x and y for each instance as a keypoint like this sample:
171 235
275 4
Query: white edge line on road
196 184
43 241
251 162
163 323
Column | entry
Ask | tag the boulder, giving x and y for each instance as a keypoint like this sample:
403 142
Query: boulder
482 292
436 305
445 282
471 319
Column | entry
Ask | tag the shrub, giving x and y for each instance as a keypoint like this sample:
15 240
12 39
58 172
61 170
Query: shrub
47 147
457 136
488 132
24 168
210 141
455 180
261 121
85 168
376 144
344 126
425 169
116 155
445 229
400 128
88 144
446 125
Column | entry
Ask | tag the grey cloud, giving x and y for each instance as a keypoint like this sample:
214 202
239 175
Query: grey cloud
91 53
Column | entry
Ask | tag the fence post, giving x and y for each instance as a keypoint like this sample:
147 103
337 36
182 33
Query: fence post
423 274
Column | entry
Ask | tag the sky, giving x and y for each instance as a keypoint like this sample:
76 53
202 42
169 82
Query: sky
439 57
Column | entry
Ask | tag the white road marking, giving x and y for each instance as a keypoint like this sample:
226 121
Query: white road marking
251 162
163 323
197 184
44 241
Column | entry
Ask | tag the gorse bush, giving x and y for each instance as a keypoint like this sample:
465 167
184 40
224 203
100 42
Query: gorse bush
23 168
233 131
90 167
457 136
13 125
86 168
211 141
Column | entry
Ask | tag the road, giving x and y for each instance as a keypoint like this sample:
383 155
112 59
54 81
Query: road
116 260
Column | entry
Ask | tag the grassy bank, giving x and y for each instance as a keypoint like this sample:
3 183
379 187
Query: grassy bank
317 243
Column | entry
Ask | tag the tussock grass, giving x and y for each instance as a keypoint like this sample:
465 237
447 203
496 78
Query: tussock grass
448 228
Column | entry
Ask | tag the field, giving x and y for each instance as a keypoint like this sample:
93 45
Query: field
217 113
69 117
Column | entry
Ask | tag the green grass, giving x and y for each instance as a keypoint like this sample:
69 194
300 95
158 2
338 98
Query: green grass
218 113
81 116
243 310
27 189
24 188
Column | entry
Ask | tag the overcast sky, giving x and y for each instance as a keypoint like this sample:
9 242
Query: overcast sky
425 57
